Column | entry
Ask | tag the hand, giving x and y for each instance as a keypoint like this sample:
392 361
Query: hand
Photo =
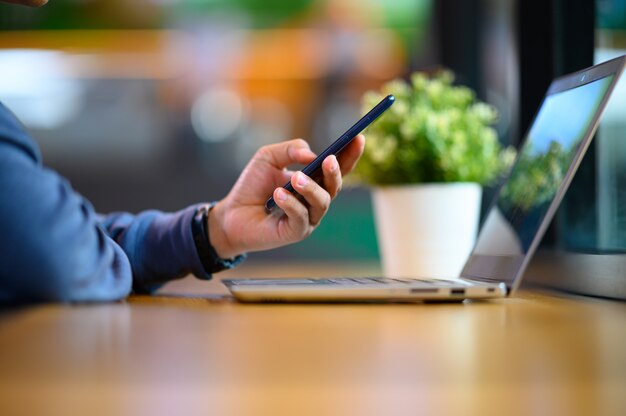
239 223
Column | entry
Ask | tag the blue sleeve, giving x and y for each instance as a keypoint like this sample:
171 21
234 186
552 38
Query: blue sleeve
55 247
159 245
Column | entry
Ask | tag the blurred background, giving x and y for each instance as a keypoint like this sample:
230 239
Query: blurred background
160 103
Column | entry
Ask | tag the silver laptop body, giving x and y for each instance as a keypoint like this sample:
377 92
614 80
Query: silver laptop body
515 223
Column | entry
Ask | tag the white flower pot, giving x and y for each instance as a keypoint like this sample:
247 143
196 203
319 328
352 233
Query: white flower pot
426 229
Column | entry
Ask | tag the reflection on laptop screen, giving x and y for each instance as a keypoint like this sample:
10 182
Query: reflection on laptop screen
552 144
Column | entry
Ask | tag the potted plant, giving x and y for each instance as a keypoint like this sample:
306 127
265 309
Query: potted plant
426 160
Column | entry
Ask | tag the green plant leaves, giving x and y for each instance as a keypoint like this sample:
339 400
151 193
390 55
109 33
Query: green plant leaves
435 132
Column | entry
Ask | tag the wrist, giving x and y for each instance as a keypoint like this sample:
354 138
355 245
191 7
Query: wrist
212 261
217 236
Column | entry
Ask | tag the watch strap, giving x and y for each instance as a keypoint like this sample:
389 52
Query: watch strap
209 258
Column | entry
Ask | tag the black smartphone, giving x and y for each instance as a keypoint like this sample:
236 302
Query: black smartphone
313 169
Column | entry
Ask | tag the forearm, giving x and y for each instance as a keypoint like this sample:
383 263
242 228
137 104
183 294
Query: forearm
159 246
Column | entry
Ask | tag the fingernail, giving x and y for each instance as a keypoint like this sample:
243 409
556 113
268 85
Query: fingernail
281 194
302 179
334 165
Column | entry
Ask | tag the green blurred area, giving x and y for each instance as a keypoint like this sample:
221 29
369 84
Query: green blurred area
78 14
347 232
611 14
406 17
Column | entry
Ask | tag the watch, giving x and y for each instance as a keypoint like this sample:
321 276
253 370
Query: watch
209 258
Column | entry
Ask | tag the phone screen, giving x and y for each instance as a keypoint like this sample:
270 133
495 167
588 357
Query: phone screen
313 169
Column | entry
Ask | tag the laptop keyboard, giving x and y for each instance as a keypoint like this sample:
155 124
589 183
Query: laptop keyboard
347 281
387 280
344 281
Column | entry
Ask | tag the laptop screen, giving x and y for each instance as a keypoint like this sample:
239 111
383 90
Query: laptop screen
545 165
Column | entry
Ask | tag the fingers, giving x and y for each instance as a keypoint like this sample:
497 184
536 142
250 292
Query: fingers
294 226
312 207
286 153
351 154
316 197
331 176
302 216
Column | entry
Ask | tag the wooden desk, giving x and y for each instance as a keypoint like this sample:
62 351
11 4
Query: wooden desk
205 354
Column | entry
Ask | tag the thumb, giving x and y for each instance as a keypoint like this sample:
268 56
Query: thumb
283 154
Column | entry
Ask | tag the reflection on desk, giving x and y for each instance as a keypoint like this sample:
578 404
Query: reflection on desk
193 350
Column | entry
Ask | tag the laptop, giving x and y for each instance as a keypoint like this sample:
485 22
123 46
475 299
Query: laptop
514 224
